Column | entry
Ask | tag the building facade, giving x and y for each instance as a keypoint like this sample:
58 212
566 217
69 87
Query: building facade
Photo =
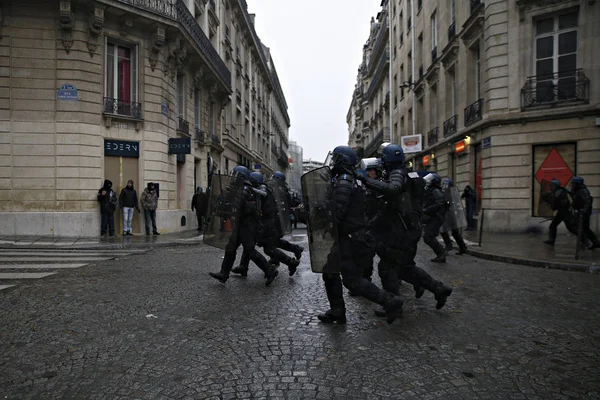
294 173
119 90
500 95
310 164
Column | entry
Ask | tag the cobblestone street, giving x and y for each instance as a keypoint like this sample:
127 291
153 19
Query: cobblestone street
155 325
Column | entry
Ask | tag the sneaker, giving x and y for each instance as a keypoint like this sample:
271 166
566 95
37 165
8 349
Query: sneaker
328 317
240 270
219 276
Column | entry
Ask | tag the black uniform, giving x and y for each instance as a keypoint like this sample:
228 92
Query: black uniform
434 211
245 235
455 232
558 199
354 251
397 230
582 202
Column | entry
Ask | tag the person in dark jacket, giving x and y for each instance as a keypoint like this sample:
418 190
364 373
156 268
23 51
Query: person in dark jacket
582 203
200 205
434 215
558 199
470 197
128 200
108 204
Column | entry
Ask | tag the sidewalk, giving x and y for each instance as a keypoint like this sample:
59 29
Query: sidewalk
529 249
119 242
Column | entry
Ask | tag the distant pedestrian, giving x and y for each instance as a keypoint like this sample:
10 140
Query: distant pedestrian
470 197
108 204
200 205
128 201
149 200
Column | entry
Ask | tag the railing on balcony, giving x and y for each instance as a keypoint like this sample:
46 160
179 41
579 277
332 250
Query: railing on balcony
432 136
552 89
199 135
434 54
475 5
214 139
450 126
183 126
374 145
452 31
122 108
191 26
474 112
162 7
381 37
375 82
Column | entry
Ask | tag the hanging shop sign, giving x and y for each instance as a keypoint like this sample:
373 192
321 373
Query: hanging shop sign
412 144
180 146
460 147
426 160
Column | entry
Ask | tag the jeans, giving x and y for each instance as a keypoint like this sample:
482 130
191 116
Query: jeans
127 218
150 215
107 223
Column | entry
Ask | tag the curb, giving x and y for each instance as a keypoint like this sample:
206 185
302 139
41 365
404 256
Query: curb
108 246
587 268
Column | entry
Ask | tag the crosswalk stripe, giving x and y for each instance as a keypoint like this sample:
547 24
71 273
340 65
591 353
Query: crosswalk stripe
40 266
2 287
66 255
5 260
24 275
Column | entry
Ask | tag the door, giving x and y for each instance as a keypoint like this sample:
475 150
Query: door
119 170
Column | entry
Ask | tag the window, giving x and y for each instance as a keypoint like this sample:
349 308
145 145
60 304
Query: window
121 80
211 116
419 4
556 56
433 107
452 11
180 96
477 72
402 83
197 109
395 86
433 31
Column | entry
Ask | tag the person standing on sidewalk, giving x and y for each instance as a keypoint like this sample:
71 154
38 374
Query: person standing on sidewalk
470 197
200 205
149 202
128 200
108 204
582 202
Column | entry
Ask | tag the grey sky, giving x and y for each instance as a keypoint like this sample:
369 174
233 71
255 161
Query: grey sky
317 48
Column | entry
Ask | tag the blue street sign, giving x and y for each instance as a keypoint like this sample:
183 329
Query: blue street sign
487 142
67 92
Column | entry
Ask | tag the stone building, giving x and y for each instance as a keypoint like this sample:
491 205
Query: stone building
294 173
500 94
120 89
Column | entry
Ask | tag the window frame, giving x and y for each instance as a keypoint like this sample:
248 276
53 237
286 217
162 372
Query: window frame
555 34
134 69
181 103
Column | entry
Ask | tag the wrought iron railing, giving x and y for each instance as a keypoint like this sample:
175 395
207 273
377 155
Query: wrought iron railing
552 89
474 112
475 5
434 54
450 126
432 136
374 144
191 26
215 139
199 135
123 108
183 126
452 31
381 37
375 82
162 7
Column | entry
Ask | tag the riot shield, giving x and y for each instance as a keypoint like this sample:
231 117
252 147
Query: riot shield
545 200
222 218
455 216
280 192
321 225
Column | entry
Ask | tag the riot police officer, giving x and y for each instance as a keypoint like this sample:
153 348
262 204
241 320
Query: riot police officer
398 227
352 246
373 204
582 203
281 242
269 230
558 199
245 234
452 222
434 214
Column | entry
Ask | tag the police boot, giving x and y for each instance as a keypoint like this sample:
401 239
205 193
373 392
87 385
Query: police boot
298 252
419 291
240 270
293 265
380 312
449 247
393 307
442 292
549 242
333 317
462 251
274 263
441 258
271 276
219 276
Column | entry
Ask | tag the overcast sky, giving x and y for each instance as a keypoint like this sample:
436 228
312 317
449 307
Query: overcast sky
317 48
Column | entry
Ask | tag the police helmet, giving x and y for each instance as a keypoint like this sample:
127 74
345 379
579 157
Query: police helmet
555 182
241 171
433 179
279 175
448 183
344 156
392 155
577 180
256 178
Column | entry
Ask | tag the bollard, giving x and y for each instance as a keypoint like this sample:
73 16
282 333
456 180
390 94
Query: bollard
481 226
579 234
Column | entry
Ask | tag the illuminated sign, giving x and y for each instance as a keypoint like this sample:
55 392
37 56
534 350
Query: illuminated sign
425 161
459 147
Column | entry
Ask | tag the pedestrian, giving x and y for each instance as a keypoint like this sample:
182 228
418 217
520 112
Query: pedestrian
245 232
108 204
200 205
470 197
434 215
455 218
128 201
558 199
352 249
397 228
149 200
582 203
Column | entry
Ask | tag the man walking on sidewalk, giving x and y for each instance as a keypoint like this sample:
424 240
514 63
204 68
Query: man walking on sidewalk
149 202
128 200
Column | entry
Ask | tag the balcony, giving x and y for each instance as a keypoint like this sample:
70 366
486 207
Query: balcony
474 112
475 4
450 126
122 108
208 51
433 54
432 136
553 89
377 77
165 8
372 147
382 37
183 126
199 135
452 31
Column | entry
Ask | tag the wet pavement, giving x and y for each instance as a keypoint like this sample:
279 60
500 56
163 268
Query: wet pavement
155 326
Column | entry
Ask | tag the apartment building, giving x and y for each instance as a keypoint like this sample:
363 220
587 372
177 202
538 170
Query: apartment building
126 89
500 95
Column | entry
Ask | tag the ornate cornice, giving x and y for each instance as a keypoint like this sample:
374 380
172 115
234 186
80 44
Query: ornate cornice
528 5
95 29
432 74
450 54
66 23
158 40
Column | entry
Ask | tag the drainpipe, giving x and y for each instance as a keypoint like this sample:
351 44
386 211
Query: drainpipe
413 59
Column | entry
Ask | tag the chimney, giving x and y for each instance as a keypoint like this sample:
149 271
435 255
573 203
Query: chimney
252 18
